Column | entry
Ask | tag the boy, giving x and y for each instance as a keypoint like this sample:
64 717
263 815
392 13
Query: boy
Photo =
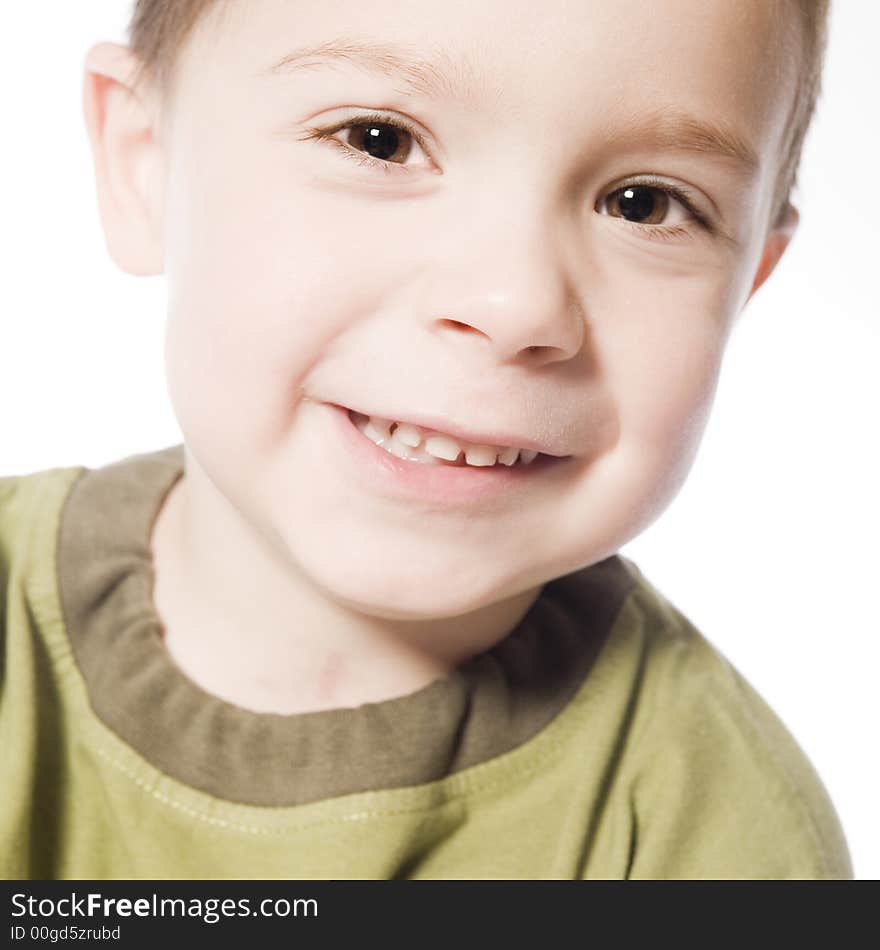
449 288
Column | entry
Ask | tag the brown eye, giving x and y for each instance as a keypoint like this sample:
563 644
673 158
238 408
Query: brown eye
380 140
641 204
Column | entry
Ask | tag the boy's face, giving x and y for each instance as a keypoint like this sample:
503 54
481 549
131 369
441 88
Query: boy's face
480 279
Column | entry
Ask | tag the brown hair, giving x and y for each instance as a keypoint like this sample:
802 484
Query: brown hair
160 28
814 16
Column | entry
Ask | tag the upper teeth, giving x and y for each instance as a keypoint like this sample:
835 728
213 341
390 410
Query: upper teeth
424 445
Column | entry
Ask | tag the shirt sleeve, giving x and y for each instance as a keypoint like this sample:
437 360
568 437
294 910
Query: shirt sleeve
726 792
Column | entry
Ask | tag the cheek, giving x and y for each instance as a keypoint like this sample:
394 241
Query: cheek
662 361
670 376
264 281
657 357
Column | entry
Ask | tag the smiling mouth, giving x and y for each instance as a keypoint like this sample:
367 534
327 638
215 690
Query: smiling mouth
430 447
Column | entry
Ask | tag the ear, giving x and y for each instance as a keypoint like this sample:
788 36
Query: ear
777 241
127 159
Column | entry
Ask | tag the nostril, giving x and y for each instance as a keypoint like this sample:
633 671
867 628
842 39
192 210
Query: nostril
457 325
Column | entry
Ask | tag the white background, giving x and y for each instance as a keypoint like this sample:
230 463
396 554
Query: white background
770 548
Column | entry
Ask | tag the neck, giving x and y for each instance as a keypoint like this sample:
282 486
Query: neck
249 627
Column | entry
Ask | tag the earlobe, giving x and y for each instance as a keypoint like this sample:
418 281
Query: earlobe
777 241
127 160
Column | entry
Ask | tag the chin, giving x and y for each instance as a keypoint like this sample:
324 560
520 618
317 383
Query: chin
411 592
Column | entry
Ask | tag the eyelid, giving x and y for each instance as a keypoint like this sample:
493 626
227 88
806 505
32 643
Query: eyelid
680 193
327 133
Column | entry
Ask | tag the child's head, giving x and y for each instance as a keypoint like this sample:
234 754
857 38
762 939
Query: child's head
529 221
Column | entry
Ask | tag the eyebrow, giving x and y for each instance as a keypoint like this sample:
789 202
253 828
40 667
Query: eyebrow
670 128
445 78
456 79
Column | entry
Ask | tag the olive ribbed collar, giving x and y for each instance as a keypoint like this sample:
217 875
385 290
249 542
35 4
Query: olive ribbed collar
488 706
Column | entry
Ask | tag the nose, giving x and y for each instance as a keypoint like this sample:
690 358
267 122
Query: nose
507 285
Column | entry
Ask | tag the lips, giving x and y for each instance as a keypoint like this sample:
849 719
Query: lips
380 474
434 448
464 436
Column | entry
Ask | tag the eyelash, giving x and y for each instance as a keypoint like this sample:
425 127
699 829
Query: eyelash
666 232
389 168
658 232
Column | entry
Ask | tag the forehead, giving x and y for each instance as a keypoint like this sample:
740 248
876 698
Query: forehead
723 67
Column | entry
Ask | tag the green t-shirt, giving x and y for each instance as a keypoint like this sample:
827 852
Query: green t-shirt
605 737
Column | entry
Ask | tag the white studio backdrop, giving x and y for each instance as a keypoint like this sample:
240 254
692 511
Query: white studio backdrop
770 547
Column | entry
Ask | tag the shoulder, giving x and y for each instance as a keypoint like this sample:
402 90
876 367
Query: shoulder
29 507
720 786
10 502
21 494
30 511
15 488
